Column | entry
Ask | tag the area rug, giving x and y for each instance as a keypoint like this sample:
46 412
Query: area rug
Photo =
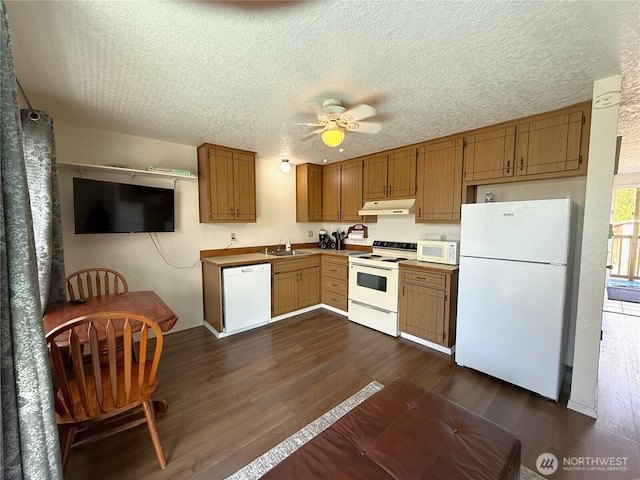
270 459
623 290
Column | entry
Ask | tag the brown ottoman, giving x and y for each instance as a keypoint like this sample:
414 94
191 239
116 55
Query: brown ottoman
406 432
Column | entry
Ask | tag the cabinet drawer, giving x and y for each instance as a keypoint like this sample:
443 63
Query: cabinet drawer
437 280
335 300
334 285
288 265
335 268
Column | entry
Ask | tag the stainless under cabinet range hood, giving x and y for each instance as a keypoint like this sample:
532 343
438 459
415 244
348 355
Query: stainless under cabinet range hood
388 207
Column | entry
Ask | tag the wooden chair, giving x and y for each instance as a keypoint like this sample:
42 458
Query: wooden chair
87 394
95 282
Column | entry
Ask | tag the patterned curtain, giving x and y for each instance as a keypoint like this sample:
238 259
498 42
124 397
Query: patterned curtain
29 435
42 177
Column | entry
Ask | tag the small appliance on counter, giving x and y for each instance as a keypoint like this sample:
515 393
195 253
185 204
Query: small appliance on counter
338 244
324 240
439 251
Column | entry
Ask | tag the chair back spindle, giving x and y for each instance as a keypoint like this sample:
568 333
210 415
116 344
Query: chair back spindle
95 282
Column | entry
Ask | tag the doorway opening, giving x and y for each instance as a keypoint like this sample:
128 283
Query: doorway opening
623 282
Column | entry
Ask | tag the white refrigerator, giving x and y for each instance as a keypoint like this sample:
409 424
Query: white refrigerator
512 294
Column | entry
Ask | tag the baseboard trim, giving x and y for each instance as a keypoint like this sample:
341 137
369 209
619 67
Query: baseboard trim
212 330
427 343
294 313
334 310
578 407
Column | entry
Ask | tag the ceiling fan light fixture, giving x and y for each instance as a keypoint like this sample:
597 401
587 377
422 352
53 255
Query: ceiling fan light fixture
285 166
333 137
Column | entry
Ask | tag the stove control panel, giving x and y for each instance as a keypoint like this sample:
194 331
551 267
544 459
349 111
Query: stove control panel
410 247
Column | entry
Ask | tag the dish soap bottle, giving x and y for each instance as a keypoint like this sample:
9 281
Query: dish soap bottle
288 246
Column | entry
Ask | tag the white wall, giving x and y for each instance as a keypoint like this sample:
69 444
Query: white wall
134 255
602 146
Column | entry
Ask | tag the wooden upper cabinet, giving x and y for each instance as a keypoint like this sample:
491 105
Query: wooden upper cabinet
552 143
308 193
439 181
549 145
402 173
351 191
331 192
489 154
390 175
244 187
342 192
226 184
374 180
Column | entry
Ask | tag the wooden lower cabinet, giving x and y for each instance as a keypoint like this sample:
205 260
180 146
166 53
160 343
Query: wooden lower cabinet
335 281
427 303
295 284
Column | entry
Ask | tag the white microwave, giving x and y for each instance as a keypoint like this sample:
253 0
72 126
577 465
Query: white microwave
439 251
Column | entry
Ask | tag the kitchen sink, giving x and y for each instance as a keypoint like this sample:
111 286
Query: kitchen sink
285 253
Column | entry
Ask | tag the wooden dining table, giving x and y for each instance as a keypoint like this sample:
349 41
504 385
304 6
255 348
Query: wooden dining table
146 303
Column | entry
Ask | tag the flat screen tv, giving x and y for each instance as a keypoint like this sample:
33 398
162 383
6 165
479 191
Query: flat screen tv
109 207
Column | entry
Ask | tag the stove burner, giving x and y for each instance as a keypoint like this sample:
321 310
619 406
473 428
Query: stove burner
394 260
370 257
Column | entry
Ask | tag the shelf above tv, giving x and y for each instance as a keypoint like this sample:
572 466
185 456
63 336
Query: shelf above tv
131 172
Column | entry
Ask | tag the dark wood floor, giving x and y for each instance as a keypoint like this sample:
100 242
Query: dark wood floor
230 400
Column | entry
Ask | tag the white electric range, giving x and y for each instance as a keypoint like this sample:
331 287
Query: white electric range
373 285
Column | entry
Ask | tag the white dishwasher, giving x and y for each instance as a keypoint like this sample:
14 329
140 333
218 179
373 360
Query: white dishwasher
246 297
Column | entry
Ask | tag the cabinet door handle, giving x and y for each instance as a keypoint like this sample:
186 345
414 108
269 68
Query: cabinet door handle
403 290
508 165
421 278
384 189
237 212
231 213
390 189
521 163
419 212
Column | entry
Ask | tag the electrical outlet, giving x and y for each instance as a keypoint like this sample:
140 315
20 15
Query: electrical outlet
233 237
310 234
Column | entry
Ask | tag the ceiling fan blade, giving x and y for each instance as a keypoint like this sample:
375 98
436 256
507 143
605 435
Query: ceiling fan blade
314 124
365 127
315 132
359 112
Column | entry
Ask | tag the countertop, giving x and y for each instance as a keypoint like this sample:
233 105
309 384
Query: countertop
254 258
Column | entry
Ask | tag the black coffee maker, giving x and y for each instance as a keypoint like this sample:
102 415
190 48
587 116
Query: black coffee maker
324 239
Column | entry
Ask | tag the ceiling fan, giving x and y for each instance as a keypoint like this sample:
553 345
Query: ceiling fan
334 119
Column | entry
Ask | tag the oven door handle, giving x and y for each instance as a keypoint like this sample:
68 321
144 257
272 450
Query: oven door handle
371 306
353 264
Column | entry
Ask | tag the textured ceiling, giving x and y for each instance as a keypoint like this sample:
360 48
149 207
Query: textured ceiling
243 74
